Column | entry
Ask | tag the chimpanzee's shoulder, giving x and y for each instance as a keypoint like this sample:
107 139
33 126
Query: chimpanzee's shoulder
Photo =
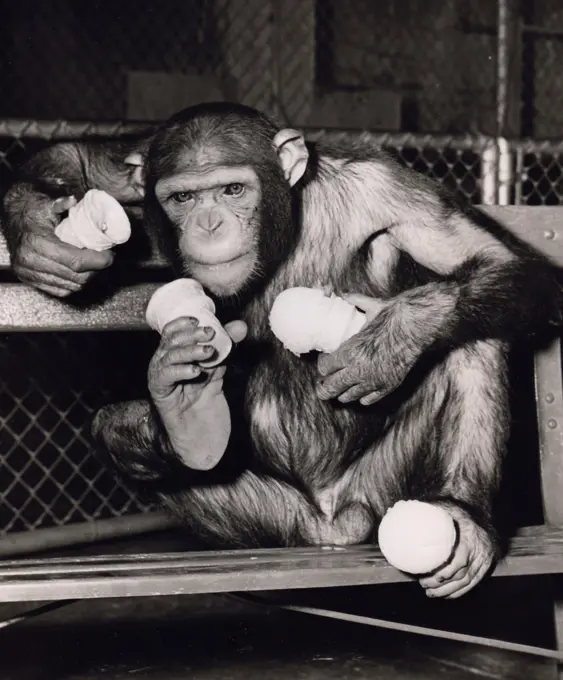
360 148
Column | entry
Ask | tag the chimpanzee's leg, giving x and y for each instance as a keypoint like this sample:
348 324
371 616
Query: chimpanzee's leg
251 512
446 447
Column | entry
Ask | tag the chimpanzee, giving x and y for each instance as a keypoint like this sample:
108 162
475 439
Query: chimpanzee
414 406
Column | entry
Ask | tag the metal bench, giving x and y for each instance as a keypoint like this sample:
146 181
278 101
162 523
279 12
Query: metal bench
534 550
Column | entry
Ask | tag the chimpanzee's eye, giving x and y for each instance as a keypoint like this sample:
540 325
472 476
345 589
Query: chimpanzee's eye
182 196
234 189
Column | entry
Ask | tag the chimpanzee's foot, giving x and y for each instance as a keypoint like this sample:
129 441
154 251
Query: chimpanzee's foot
472 559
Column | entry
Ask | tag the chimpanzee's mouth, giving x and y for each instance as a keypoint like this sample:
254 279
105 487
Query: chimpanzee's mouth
218 264
225 277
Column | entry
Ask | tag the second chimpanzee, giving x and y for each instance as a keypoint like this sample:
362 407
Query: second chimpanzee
46 186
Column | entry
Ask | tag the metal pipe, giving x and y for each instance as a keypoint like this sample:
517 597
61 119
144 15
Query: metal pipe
38 540
504 169
489 175
62 130
502 66
520 176
504 158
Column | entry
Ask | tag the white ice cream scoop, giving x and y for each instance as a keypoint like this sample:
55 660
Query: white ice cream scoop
97 222
305 319
186 297
417 537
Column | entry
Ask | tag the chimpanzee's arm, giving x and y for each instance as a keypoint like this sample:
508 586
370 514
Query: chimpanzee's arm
489 290
485 289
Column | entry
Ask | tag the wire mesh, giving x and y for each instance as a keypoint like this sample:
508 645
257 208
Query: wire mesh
542 52
51 386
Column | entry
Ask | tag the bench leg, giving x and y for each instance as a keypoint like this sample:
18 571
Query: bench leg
558 621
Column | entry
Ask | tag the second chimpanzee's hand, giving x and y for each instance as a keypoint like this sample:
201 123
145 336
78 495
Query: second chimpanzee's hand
369 365
43 261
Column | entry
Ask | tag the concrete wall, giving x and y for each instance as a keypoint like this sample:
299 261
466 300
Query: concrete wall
547 70
424 51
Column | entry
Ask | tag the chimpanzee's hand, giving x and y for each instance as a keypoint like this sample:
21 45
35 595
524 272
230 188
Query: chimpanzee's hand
43 261
372 363
187 397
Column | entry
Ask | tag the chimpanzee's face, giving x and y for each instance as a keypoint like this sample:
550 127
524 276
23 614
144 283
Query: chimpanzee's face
216 214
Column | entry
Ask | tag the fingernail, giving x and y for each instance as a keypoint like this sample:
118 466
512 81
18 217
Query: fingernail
207 348
192 319
208 330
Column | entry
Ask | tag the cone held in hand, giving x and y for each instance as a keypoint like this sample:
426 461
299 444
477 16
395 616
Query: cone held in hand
97 222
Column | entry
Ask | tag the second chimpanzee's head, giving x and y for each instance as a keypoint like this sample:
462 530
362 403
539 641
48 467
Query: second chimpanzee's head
218 182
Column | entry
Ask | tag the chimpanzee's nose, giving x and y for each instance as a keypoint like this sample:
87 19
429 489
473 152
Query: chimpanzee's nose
210 221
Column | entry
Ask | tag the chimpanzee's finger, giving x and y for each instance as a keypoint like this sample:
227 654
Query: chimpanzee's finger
329 363
449 572
474 580
38 279
182 338
41 267
187 355
373 397
237 330
63 204
86 260
176 373
36 248
363 394
371 306
353 393
433 582
185 324
335 384
53 291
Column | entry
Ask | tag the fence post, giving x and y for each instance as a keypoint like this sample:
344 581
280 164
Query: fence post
489 174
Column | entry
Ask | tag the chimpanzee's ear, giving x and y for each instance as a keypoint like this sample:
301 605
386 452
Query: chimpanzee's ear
136 162
293 154
135 158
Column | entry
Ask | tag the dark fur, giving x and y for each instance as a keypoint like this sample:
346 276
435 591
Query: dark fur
431 438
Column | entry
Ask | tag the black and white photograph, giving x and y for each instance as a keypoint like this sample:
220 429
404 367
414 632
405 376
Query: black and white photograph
281 304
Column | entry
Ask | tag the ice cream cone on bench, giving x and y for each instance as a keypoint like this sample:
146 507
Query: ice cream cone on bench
186 297
97 222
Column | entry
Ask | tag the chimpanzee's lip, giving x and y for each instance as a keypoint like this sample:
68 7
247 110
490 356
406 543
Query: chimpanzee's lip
221 263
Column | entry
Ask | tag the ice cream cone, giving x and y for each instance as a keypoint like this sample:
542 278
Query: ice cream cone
417 537
341 321
97 222
186 297
305 319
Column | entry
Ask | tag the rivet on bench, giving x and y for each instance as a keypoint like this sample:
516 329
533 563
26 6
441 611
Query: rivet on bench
552 424
549 234
549 398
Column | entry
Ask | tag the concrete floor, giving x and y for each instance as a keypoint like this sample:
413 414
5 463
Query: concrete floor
219 637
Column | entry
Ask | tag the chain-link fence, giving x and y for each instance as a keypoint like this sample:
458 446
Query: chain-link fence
434 104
